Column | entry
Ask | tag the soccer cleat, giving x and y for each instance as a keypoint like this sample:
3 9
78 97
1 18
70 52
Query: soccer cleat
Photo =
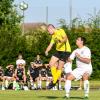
86 97
3 88
51 85
66 97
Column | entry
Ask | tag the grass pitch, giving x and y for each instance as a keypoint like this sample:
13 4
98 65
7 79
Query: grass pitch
46 95
52 95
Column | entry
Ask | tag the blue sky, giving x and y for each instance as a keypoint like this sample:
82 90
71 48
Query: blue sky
57 9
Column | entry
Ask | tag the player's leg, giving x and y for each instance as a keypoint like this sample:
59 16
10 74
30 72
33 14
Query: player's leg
53 66
59 71
14 82
47 81
80 86
2 83
86 84
31 82
6 82
62 59
70 77
59 84
39 82
24 79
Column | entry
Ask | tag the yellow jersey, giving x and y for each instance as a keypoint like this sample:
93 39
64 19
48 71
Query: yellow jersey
59 34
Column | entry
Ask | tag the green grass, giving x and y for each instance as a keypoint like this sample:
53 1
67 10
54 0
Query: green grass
50 94
46 95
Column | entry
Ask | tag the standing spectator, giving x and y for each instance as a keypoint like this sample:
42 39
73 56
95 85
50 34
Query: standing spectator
20 60
38 62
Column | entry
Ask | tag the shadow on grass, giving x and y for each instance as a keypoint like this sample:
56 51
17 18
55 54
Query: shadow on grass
55 97
49 97
77 98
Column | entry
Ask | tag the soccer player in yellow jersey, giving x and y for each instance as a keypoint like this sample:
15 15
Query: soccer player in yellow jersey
63 51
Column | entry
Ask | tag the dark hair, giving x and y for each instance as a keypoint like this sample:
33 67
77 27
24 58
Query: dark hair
50 25
83 39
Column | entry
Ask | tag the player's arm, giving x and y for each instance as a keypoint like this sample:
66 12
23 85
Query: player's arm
28 72
24 63
84 60
15 72
46 65
72 56
48 48
37 65
24 71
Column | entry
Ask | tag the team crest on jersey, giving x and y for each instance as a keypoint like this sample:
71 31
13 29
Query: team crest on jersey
82 52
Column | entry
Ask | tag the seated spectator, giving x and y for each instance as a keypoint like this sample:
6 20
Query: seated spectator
33 72
20 74
9 75
43 75
38 63
20 60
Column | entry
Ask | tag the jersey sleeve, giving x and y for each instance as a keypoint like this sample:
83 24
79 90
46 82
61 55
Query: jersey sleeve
72 56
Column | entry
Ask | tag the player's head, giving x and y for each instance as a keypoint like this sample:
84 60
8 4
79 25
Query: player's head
0 67
11 66
20 65
80 41
20 56
32 64
38 57
51 29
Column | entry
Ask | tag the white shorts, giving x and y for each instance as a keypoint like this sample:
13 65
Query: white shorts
79 72
68 67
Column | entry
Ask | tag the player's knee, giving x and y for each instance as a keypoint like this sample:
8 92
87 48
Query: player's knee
85 76
70 77
60 67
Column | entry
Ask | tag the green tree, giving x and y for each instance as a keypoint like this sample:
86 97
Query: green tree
9 31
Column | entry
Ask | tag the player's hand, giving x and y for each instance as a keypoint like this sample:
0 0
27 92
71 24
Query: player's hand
69 60
77 55
46 53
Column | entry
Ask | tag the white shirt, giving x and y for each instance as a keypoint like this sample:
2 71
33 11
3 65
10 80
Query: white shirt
83 52
20 61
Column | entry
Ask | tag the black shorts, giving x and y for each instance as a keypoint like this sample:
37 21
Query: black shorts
34 77
63 56
20 78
